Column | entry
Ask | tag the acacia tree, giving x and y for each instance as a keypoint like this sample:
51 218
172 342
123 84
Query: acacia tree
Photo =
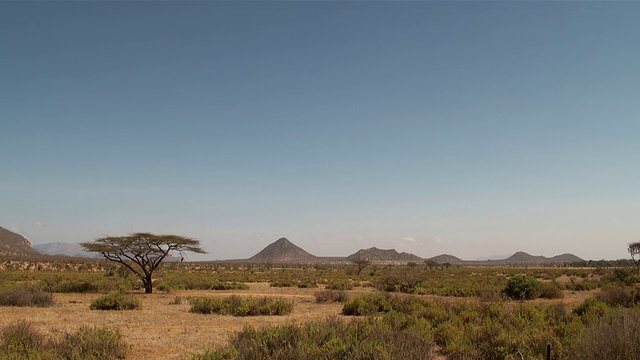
142 253
361 264
634 250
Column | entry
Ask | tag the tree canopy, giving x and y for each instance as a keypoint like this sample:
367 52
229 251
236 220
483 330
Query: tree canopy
142 253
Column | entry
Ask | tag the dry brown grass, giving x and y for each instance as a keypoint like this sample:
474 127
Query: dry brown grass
162 330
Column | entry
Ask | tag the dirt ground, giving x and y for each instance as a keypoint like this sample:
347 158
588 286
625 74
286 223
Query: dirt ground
161 330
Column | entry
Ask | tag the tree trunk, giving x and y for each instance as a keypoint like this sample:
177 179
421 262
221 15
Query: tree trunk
148 285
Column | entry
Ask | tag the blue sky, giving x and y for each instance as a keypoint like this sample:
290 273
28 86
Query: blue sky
469 128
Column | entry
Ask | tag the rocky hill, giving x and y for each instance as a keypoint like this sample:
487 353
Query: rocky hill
387 257
283 251
447 259
60 248
522 258
12 244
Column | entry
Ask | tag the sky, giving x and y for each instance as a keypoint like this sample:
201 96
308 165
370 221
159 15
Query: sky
475 129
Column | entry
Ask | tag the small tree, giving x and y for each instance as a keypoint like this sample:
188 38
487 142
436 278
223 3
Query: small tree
634 250
142 253
361 264
523 287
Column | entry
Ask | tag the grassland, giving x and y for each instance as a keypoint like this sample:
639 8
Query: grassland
165 327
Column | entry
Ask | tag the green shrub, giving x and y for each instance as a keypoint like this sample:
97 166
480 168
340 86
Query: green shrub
92 343
591 308
116 300
71 286
330 296
340 285
237 306
392 337
20 340
523 287
26 297
367 304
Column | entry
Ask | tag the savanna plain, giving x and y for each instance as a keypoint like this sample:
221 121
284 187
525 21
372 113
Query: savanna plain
90 309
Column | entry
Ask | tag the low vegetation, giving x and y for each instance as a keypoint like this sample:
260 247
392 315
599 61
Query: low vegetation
238 306
385 338
26 297
21 340
326 296
476 313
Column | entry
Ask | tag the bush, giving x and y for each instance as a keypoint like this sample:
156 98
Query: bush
619 296
330 296
521 287
115 300
237 306
20 340
70 286
591 308
340 285
551 291
26 297
92 343
367 305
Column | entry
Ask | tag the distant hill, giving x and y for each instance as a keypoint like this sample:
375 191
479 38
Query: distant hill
522 258
380 256
447 259
283 251
12 244
61 248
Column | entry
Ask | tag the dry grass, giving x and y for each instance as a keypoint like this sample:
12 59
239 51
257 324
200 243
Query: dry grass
162 330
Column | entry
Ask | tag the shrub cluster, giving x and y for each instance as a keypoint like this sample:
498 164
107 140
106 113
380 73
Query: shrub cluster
20 340
26 297
465 330
326 296
397 337
523 287
238 306
116 300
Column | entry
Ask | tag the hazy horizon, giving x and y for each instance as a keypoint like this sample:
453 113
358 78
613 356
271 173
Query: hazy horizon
462 128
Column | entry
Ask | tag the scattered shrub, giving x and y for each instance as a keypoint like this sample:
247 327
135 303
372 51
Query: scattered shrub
92 343
551 290
26 297
330 296
115 300
523 287
340 285
237 306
